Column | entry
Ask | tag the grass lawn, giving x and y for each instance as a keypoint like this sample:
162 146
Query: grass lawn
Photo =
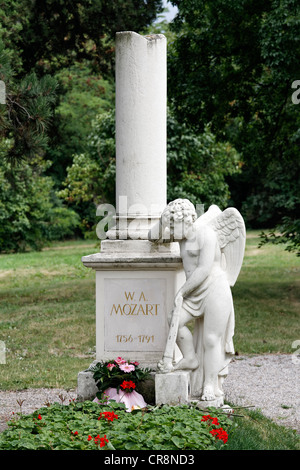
47 322
267 299
47 310
47 316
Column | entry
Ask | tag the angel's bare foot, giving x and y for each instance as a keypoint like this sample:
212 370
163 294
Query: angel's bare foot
219 392
208 393
187 363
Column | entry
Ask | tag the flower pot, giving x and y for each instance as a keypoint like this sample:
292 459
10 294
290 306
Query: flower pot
132 400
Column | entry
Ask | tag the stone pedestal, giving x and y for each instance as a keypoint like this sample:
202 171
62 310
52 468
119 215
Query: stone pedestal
173 388
134 296
204 404
86 386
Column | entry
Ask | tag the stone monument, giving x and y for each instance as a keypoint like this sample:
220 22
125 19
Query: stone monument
136 278
212 250
153 253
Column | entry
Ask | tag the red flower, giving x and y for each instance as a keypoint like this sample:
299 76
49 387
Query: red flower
101 440
39 417
127 385
89 438
220 434
211 419
206 418
75 433
109 415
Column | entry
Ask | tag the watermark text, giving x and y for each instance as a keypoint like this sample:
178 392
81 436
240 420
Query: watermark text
296 94
296 354
2 352
134 221
2 92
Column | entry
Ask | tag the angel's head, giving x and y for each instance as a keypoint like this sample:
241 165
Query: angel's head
178 217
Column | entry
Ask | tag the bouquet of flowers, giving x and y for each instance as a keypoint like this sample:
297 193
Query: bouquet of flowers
118 378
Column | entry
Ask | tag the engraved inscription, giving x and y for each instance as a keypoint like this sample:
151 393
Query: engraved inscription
135 318
140 338
140 308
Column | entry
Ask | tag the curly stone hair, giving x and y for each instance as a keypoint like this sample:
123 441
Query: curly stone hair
178 210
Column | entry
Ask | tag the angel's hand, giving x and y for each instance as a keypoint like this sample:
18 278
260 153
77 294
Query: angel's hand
178 300
164 366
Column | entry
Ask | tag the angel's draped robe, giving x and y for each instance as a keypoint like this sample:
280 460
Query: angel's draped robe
197 304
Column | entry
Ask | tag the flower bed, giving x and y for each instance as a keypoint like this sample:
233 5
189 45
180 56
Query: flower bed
90 426
118 418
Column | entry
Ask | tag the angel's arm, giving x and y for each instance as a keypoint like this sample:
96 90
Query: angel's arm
205 262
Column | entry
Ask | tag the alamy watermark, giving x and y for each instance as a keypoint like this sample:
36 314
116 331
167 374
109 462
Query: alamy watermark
296 94
131 222
2 92
2 352
296 354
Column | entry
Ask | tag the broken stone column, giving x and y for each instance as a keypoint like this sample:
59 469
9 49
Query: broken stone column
141 163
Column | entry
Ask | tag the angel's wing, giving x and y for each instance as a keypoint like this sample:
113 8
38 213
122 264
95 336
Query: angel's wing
212 212
231 232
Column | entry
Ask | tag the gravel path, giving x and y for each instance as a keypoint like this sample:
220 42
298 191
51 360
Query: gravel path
30 400
269 383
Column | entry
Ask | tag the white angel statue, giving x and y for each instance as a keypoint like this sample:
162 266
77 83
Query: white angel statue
212 250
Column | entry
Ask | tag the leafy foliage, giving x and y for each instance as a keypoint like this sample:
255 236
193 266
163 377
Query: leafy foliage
54 33
62 427
289 235
82 95
90 178
232 64
30 215
245 92
197 166
28 110
11 29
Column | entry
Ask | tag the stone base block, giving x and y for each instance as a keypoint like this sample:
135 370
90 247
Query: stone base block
86 386
172 388
203 404
135 291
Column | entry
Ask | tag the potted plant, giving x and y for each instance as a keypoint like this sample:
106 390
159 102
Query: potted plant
117 380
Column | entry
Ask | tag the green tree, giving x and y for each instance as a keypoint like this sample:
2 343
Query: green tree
90 178
82 96
43 37
74 42
56 32
232 65
53 58
31 215
28 110
197 167
11 13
